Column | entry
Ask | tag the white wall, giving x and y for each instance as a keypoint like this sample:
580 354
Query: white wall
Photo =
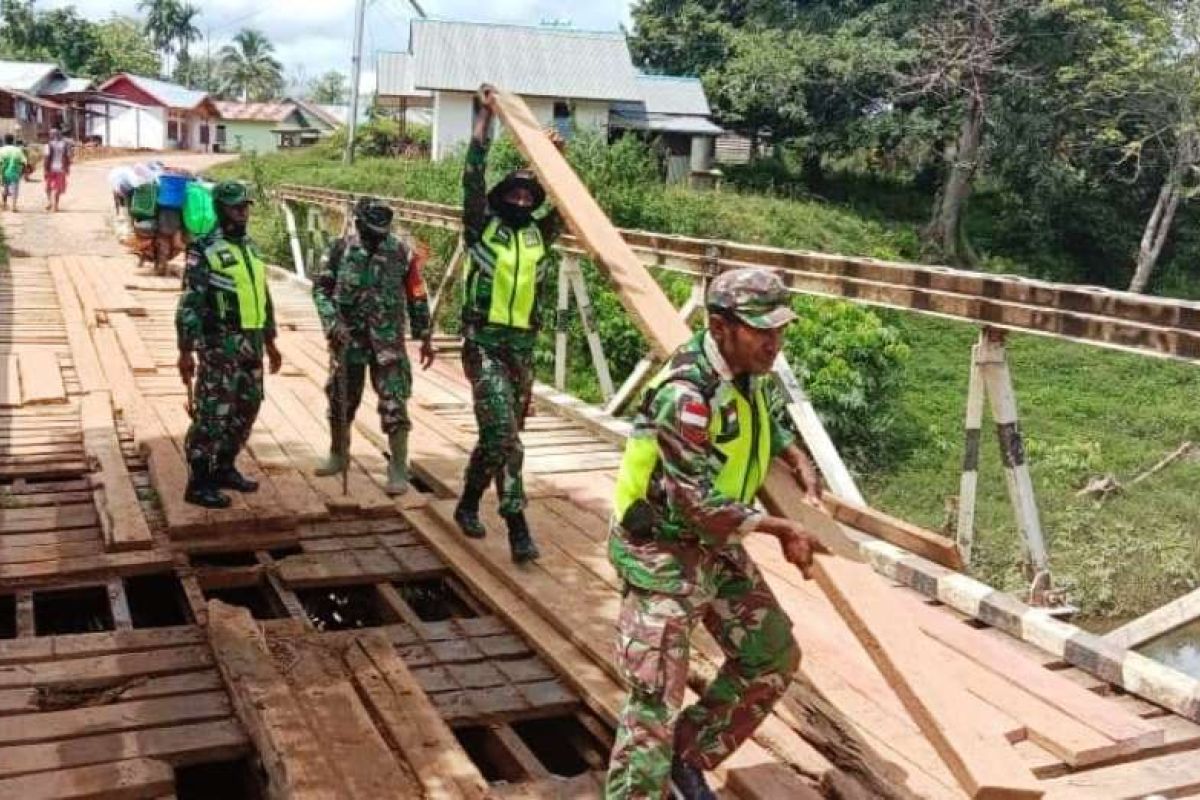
195 123
453 119
129 126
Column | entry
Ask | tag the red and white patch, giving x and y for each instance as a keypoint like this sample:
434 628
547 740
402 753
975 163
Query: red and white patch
693 421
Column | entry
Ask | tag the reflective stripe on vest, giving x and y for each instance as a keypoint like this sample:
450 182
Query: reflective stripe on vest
509 259
739 430
235 269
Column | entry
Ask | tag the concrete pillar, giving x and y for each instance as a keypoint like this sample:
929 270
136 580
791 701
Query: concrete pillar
702 153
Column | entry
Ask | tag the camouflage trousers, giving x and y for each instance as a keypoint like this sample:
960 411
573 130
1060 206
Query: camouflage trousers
501 382
227 396
738 608
392 383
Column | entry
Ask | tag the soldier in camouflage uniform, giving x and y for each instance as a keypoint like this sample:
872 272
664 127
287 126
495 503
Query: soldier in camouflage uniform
509 250
225 316
707 430
364 286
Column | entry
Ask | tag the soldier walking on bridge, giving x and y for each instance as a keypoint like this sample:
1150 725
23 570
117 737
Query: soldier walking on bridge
707 430
364 286
508 247
226 316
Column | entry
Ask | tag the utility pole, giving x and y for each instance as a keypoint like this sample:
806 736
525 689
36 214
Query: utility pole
360 12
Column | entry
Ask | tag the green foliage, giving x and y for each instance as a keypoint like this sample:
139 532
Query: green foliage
249 69
332 88
121 47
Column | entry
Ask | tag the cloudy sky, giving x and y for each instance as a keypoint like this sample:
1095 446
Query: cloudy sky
314 35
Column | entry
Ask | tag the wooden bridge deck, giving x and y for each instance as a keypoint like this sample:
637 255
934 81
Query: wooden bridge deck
382 649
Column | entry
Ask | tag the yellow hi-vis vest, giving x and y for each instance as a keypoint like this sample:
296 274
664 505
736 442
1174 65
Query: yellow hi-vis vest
239 277
739 428
503 274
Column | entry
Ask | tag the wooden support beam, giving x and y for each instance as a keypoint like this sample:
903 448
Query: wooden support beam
133 779
289 218
970 468
117 504
1159 622
584 304
446 284
562 310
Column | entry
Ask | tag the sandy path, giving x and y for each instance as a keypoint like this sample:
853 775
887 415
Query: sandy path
84 223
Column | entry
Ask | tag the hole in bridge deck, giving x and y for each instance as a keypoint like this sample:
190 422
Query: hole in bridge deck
261 601
8 616
284 552
241 559
156 601
420 485
435 600
560 743
72 611
489 754
341 608
228 780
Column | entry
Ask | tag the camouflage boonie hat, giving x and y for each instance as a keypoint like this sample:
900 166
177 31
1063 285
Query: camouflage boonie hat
373 214
231 193
755 296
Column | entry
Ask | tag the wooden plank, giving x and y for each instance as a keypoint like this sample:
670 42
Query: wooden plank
985 767
1167 776
41 380
83 353
1089 708
136 353
89 671
117 504
927 544
132 779
412 725
47 726
10 382
1159 622
292 756
204 742
81 645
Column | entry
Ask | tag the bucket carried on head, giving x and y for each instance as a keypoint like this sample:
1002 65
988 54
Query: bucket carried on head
172 190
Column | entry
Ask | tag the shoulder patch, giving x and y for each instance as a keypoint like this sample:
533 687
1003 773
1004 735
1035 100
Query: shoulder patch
693 421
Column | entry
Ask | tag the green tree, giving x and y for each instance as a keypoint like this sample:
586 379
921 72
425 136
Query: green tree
183 25
121 47
249 69
160 26
331 88
59 35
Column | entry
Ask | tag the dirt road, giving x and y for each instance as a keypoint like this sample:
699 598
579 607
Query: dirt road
84 223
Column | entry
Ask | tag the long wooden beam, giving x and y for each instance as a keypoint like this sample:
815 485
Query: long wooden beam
1102 317
1162 620
972 759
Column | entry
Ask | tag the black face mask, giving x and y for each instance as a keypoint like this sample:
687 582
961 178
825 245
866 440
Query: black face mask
370 239
234 230
515 216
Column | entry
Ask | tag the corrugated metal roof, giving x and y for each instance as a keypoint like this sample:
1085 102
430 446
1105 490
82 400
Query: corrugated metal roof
545 62
171 95
25 76
318 112
254 112
663 94
394 76
633 116
67 85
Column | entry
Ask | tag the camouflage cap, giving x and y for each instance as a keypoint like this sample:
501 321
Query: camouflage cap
755 296
231 193
373 214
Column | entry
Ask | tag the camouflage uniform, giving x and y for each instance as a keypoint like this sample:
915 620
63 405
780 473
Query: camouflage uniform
364 291
498 359
680 555
229 380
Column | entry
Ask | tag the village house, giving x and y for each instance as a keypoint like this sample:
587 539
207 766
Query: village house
570 79
146 113
272 126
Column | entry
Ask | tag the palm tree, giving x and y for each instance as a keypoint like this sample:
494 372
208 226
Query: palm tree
249 69
160 26
185 32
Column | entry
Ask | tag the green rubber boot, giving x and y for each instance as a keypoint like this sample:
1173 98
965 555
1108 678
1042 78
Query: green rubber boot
397 482
339 452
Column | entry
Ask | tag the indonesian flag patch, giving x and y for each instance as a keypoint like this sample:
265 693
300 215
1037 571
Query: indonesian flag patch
693 422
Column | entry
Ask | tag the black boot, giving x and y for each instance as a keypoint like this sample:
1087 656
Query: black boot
688 783
202 490
519 541
466 513
228 477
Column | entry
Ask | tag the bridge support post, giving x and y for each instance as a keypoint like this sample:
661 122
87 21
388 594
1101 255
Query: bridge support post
561 322
970 470
289 218
584 303
991 377
446 284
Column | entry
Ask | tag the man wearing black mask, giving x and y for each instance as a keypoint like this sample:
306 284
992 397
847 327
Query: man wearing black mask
225 315
508 245
367 283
